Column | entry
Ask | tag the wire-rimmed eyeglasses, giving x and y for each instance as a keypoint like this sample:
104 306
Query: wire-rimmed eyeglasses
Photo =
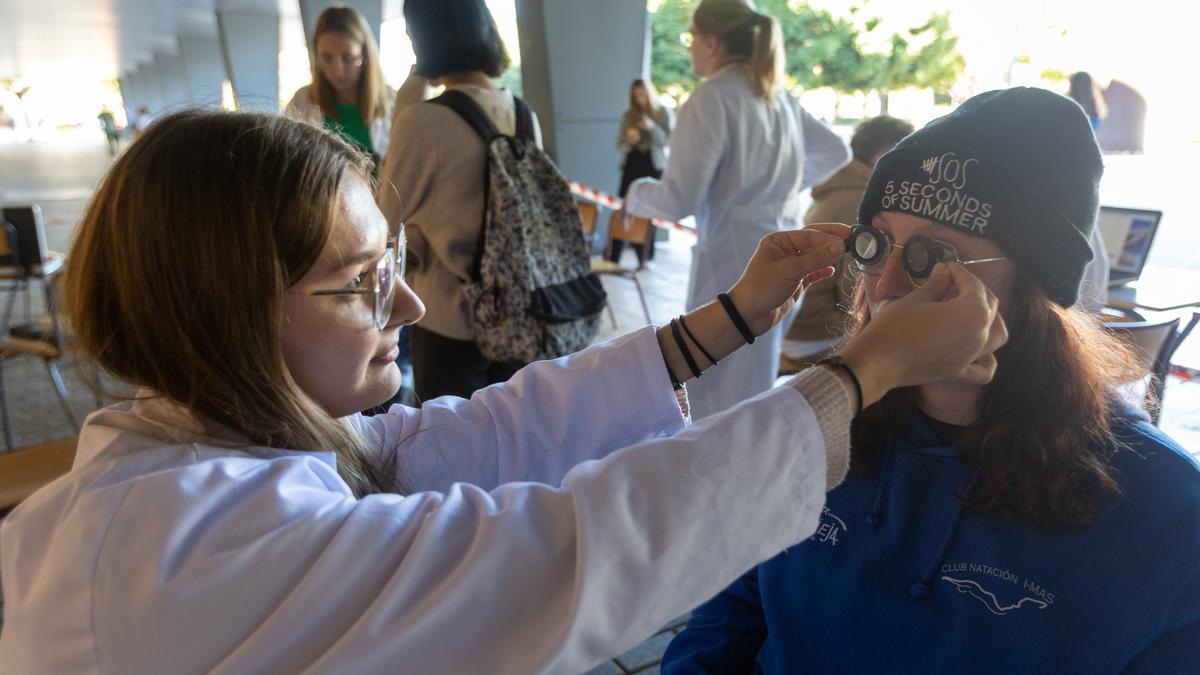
379 282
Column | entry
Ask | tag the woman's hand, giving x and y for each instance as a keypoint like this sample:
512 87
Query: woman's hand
784 265
947 329
632 136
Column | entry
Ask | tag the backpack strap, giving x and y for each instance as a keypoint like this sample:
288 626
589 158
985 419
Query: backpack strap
472 114
524 119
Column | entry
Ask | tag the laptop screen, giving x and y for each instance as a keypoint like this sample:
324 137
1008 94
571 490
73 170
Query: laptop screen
1127 234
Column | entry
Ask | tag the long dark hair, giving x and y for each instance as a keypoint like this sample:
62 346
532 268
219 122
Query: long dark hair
455 36
1084 91
1042 437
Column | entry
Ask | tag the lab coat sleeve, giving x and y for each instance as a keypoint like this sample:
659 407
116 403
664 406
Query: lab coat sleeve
697 145
256 566
724 635
824 151
546 419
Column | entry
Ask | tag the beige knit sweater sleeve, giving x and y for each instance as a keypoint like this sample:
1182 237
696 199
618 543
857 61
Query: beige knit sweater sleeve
437 167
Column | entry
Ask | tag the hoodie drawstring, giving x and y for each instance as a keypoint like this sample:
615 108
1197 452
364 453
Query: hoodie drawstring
920 588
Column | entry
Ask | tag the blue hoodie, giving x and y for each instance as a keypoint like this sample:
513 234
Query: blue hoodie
898 579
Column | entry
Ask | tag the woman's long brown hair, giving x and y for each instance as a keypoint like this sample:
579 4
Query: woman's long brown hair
176 278
1042 437
372 89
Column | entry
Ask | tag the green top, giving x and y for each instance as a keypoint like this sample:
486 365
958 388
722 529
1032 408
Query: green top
350 126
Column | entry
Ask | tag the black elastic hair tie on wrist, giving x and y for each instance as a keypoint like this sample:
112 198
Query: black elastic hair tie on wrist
675 383
840 363
687 354
736 318
697 342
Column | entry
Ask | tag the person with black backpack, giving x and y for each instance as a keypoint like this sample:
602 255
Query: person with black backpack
495 241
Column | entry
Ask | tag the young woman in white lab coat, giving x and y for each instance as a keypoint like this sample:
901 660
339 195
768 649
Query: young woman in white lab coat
742 151
238 516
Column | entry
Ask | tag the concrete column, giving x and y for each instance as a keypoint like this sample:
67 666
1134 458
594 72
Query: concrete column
372 11
250 44
176 93
577 60
205 69
131 91
154 90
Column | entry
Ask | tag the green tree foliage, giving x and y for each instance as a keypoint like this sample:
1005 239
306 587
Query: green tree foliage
824 50
670 64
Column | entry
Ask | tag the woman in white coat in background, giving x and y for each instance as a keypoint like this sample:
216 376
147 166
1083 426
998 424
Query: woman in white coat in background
742 151
239 516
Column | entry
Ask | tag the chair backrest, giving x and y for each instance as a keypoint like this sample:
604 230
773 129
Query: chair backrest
31 236
8 244
636 230
589 213
1153 341
24 470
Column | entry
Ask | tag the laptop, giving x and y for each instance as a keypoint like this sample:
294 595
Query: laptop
1127 234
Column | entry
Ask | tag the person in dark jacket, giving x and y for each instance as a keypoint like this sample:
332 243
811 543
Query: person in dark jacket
1030 525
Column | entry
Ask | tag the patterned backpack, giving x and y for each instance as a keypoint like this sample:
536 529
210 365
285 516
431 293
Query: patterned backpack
533 295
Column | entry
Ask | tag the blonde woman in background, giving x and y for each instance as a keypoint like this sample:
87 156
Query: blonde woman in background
642 141
348 93
741 153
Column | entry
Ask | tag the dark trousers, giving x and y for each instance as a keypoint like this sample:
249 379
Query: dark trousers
637 165
444 366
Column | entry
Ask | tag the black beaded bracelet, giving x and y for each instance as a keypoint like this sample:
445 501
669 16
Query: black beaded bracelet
699 346
840 363
736 318
687 354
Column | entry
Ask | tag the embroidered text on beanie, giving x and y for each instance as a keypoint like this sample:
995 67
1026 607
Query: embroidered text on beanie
1018 166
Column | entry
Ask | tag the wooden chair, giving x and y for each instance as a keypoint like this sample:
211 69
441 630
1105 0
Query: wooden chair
30 261
590 214
1154 342
25 470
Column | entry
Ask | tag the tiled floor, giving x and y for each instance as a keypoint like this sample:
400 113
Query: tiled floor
60 178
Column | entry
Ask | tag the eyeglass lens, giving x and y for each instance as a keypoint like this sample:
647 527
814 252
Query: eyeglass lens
870 248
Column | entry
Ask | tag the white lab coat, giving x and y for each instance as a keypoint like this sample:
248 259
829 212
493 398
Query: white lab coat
174 548
738 165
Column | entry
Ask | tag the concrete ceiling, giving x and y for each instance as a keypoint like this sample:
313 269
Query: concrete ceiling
97 39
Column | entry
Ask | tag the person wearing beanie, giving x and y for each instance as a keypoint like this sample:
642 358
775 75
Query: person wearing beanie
1031 525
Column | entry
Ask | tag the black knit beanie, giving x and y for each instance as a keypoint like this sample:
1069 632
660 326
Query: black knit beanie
1019 167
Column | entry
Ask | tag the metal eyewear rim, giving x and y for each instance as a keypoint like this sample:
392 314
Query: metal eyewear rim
881 239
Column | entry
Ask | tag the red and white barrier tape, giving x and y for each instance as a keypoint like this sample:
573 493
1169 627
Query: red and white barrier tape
604 199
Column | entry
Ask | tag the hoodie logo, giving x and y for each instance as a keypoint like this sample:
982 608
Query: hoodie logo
1017 593
973 589
830 529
